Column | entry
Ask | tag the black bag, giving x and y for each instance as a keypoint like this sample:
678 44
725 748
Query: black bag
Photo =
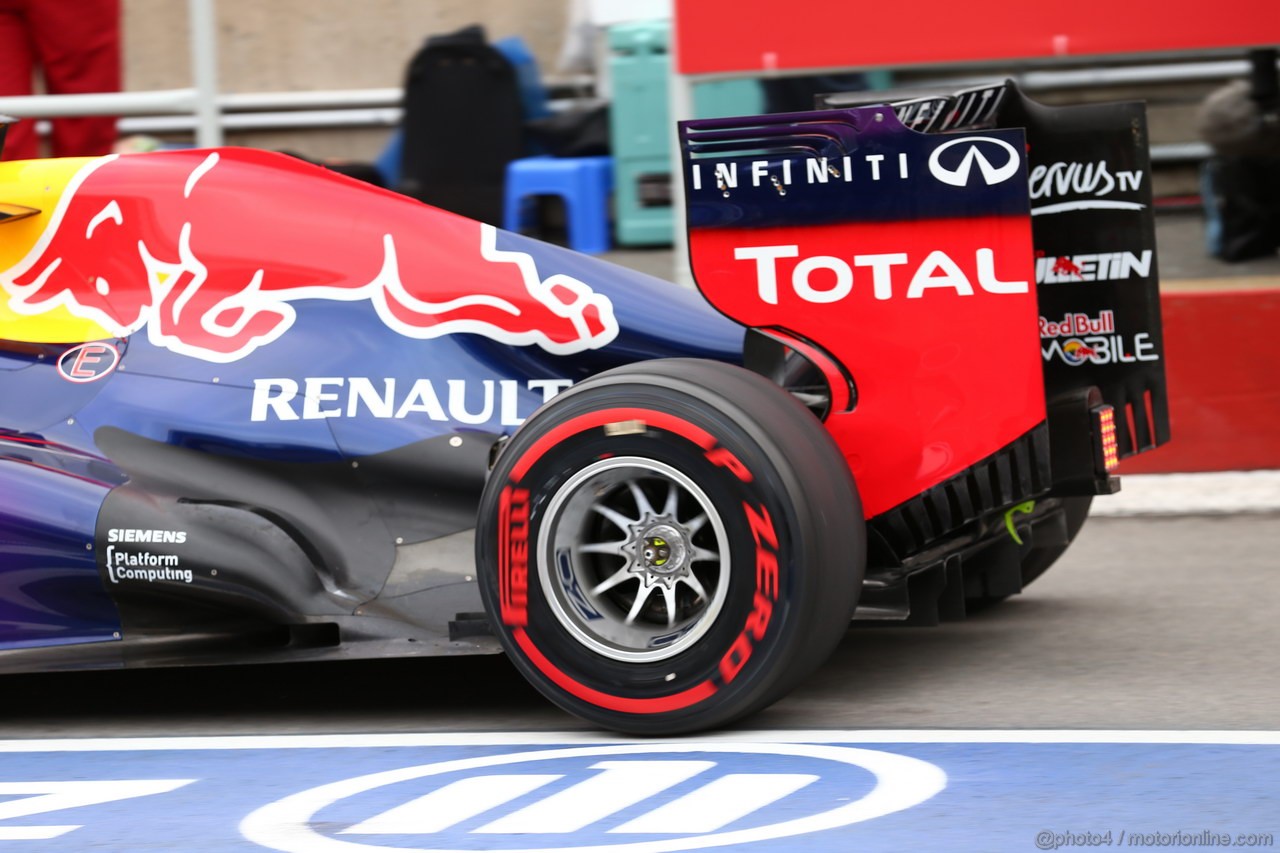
463 122
574 133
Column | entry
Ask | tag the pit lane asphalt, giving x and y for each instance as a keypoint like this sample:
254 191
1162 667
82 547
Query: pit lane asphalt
1146 623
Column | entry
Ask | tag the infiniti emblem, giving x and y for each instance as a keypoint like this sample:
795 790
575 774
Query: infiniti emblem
979 149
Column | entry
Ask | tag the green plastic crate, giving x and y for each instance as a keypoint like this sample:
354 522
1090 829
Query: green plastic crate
640 128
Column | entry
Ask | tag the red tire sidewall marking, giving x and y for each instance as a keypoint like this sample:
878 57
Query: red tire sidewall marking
513 566
590 420
513 556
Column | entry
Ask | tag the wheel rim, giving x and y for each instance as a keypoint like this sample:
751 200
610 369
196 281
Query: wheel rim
634 559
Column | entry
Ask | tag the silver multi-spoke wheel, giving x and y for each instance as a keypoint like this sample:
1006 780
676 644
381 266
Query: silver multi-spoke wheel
634 559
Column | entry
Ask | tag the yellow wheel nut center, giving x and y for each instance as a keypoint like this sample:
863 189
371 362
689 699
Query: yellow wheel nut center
656 551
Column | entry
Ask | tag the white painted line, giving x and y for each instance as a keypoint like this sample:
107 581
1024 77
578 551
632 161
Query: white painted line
1214 493
34 833
622 784
718 803
573 738
452 804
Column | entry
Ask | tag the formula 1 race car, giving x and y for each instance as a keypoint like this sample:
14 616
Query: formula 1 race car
251 410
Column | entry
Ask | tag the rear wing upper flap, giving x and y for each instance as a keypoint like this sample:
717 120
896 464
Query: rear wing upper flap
935 111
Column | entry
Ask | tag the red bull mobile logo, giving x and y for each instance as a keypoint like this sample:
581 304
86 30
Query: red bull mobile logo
209 251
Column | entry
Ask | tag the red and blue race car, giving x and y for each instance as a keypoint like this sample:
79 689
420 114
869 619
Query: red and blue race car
251 410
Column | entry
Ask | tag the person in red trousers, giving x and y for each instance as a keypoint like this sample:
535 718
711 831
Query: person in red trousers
75 45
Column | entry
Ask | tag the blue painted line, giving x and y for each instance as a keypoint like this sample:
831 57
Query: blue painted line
827 791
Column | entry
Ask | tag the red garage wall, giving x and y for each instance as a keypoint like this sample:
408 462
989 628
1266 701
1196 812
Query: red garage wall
754 35
1223 362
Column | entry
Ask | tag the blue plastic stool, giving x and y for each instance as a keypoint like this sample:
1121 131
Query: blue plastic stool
583 182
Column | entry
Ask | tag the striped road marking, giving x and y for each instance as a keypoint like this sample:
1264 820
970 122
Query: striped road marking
592 793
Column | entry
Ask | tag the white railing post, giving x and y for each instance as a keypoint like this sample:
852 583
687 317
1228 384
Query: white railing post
204 72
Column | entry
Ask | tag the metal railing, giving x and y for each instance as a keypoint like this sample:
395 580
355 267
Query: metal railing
199 101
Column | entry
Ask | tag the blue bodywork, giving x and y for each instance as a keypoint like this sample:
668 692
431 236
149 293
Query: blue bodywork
376 392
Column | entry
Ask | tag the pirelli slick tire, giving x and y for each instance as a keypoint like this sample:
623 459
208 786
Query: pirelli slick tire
670 546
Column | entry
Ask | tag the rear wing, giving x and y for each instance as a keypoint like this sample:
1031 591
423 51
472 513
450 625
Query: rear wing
1094 233
973 273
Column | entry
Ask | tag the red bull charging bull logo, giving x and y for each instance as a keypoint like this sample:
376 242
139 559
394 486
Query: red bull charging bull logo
1066 267
209 252
1076 351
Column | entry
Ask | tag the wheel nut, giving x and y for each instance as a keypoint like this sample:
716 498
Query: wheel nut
656 551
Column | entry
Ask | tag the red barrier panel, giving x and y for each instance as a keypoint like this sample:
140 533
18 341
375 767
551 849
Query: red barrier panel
1223 362
764 35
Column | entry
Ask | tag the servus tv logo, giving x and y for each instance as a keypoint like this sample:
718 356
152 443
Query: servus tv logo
1063 187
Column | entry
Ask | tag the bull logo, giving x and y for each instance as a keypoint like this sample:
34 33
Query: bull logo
1066 266
1076 352
209 251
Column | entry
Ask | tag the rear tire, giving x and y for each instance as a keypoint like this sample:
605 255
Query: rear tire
670 546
